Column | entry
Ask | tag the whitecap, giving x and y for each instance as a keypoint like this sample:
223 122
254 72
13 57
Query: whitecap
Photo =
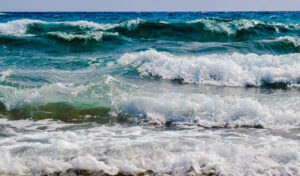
215 69
232 26
294 40
86 36
133 150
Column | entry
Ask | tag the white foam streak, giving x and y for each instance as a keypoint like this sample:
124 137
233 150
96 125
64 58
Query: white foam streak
231 27
14 97
16 27
5 74
132 150
160 107
87 36
227 69
19 27
211 110
294 40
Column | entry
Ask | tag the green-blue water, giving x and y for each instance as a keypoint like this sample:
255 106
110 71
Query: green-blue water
74 77
40 50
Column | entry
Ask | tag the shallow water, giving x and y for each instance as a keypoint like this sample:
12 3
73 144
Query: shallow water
174 93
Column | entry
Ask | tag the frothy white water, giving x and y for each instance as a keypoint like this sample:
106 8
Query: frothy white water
233 26
294 40
228 27
4 74
16 27
212 110
159 107
94 94
39 147
224 70
19 27
14 97
88 36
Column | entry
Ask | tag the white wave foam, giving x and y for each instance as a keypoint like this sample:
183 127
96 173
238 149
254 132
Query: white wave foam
232 26
19 27
294 40
16 27
227 69
133 150
5 74
14 97
164 106
130 24
96 93
211 110
87 36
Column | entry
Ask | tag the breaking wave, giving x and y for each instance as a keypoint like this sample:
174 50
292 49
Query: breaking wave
208 29
222 70
97 36
170 94
205 30
245 35
112 100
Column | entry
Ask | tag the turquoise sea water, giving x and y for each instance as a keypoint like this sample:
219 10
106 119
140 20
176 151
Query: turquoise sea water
174 93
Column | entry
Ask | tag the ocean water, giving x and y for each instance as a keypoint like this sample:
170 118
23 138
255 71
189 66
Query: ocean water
150 93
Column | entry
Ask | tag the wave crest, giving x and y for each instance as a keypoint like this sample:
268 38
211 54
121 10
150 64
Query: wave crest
110 99
97 36
207 29
222 70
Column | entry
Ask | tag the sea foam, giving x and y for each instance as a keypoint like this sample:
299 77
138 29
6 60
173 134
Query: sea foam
132 150
87 36
159 107
294 40
224 70
18 27
211 110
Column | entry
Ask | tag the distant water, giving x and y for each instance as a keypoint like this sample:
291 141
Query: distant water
161 93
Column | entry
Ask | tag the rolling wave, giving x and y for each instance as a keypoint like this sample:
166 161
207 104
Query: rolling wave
81 36
208 29
196 93
96 36
222 70
294 40
279 45
112 100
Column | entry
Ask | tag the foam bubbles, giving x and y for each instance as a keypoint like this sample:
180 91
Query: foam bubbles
133 150
161 107
20 27
294 40
211 110
88 36
224 70
16 27
231 27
